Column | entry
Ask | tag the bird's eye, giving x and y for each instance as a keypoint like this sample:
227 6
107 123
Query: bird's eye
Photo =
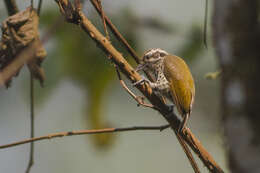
162 54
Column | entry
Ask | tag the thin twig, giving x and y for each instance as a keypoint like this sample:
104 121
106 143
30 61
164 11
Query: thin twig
31 159
205 24
116 32
103 18
187 152
86 132
11 7
31 155
119 37
139 99
39 7
32 4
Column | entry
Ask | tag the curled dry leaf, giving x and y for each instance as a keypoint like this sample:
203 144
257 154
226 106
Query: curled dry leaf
18 32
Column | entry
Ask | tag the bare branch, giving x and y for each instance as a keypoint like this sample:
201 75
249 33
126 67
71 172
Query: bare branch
139 99
119 36
31 157
187 152
85 132
76 16
205 28
116 32
103 18
39 7
32 3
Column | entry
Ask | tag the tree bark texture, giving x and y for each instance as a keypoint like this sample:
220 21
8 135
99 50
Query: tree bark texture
237 43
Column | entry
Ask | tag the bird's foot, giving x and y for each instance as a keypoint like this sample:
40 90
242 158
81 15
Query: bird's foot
141 81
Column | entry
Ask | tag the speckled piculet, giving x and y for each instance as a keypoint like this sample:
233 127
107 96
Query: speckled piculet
173 80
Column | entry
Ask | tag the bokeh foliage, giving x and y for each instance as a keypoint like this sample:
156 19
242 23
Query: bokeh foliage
75 56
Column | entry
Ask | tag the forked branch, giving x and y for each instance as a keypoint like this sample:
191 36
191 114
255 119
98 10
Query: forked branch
74 14
138 99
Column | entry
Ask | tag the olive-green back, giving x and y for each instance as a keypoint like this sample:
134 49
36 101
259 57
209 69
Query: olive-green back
181 83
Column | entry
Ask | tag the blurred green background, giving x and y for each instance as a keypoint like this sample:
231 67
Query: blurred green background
82 92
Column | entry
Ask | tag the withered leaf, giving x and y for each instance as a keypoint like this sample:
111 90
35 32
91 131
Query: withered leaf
18 32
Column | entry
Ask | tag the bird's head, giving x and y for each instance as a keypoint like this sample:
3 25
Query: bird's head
151 57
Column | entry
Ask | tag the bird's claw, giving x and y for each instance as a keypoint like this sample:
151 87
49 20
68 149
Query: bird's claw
138 82
141 81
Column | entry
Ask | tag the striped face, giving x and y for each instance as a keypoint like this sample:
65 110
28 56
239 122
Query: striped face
154 55
152 59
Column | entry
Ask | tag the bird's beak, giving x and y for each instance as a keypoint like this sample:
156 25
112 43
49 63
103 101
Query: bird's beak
140 67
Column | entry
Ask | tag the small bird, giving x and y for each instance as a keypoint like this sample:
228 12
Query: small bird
173 80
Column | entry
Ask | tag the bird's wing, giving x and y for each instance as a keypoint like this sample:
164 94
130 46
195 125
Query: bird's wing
181 83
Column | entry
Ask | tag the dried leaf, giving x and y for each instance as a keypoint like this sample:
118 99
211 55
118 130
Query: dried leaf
18 32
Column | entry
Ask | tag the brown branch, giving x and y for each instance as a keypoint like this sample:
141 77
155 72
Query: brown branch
39 7
85 132
138 99
31 159
31 155
188 153
76 16
116 32
32 3
205 27
119 36
103 18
